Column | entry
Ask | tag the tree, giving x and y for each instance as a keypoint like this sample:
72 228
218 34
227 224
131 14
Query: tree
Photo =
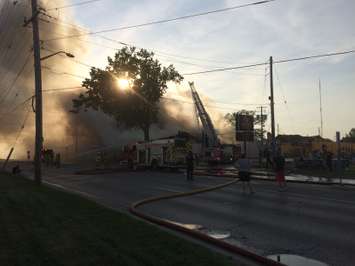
350 137
137 106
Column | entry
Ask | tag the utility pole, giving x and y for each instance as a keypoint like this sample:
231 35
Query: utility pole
262 124
76 139
38 92
272 105
320 109
261 151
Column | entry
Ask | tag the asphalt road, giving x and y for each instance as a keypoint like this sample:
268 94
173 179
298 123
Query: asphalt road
314 221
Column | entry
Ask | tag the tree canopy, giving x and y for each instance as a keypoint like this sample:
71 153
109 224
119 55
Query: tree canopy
350 137
136 105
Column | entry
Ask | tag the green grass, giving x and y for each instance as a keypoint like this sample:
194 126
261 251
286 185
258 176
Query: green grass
43 226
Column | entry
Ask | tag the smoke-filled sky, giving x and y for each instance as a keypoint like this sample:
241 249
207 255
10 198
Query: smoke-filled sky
283 29
65 132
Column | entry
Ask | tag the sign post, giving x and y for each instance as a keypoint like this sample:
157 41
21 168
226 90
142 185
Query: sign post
339 166
244 130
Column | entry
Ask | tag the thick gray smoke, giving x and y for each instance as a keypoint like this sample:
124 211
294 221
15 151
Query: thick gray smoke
17 84
62 129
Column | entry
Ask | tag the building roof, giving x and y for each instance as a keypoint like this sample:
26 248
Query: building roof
298 139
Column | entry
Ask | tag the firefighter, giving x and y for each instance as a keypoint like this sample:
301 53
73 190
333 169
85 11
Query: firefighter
57 160
189 166
98 159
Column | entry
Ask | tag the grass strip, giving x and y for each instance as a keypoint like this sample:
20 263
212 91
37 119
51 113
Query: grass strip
42 226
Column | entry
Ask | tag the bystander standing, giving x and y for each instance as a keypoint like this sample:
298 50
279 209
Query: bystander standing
244 167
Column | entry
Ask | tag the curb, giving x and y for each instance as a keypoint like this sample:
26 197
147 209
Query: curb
273 180
195 234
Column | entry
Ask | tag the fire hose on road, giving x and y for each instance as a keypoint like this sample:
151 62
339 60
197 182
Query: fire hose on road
193 233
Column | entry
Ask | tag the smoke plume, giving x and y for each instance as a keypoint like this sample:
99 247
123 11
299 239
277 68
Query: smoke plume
64 131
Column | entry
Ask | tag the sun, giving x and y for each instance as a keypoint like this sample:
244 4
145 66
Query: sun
123 84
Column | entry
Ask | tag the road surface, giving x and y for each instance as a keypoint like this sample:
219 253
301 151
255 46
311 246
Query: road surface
314 221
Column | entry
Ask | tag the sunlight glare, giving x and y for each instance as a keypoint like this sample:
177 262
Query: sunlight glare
123 84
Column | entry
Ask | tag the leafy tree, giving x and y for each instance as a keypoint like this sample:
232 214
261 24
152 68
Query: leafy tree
137 106
350 137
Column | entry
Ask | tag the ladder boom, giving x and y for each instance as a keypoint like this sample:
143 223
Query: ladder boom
204 117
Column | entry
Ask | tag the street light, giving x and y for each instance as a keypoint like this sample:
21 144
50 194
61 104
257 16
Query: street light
38 93
60 52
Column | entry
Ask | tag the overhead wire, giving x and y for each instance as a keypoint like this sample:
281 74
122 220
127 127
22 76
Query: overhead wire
284 97
16 78
208 105
275 62
169 56
163 20
62 89
14 53
70 58
65 89
53 71
22 127
16 107
157 52
72 5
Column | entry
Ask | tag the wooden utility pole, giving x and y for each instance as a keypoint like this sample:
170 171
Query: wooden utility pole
262 124
38 92
261 149
272 106
320 109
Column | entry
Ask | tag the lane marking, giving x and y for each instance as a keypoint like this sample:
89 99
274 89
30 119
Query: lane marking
71 190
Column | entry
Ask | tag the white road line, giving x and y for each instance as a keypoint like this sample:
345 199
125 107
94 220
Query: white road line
71 190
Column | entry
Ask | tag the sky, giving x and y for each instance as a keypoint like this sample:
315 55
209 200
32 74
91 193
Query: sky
282 29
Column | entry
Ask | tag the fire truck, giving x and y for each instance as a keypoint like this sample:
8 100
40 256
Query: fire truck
167 152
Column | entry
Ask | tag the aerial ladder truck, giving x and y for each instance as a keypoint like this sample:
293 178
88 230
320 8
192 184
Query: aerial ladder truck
211 147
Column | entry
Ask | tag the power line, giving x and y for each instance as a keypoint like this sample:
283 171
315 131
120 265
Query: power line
157 52
73 5
224 69
275 62
284 97
22 127
314 56
164 20
72 59
207 105
16 78
62 73
16 107
63 89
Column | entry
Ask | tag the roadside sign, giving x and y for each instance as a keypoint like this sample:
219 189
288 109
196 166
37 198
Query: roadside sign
244 127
